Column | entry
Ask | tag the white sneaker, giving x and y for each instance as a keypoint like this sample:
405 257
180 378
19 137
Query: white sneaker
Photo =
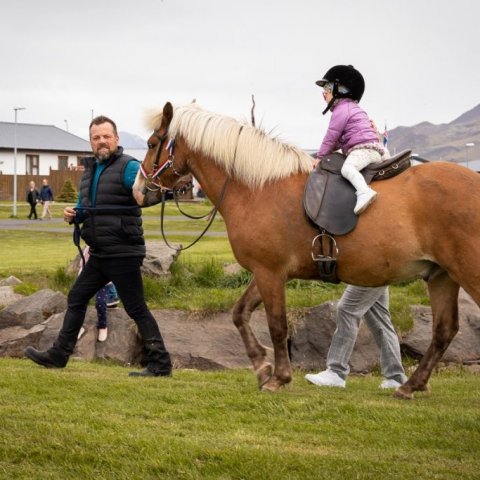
390 383
80 333
364 199
102 334
327 378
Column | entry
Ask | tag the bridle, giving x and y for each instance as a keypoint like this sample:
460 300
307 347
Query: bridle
152 181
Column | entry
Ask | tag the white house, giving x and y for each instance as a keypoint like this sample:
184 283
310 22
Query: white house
39 149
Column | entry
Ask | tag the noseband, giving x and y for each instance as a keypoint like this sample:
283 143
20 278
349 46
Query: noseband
152 181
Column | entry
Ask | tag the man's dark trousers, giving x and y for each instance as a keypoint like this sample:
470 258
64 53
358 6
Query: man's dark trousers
125 273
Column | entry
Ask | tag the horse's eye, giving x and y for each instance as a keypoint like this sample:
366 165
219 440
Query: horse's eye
150 146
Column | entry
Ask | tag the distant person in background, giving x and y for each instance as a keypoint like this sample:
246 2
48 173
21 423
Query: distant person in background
46 197
110 223
33 196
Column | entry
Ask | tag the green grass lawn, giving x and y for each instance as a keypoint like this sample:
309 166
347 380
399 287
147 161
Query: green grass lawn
91 421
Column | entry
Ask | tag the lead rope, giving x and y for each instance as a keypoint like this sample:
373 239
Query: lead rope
212 212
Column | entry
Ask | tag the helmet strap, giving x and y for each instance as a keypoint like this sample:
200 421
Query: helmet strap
334 97
329 106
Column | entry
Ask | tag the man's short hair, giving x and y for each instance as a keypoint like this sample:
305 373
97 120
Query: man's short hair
102 119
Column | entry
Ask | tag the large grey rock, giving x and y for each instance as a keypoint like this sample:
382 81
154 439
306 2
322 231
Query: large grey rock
10 281
157 263
159 258
123 344
312 336
14 340
8 295
465 347
211 342
34 309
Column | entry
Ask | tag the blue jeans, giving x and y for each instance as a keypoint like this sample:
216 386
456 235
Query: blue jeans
370 303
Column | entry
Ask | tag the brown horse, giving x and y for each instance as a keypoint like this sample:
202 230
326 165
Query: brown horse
425 223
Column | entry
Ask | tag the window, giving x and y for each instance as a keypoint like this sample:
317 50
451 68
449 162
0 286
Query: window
32 164
81 162
63 162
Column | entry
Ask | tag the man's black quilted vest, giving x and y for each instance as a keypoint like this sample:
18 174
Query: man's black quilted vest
113 228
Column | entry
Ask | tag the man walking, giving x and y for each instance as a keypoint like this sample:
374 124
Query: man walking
112 228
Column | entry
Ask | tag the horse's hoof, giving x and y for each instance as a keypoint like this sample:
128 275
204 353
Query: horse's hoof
264 374
271 386
268 389
403 394
424 388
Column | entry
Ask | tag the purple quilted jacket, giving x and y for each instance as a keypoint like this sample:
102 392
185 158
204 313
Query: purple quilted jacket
349 126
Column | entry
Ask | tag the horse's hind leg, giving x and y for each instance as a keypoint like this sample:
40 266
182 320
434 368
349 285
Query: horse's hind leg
444 300
257 353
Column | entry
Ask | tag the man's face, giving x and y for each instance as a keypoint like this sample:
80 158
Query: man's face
103 140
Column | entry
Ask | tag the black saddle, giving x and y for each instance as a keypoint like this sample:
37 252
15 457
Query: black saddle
329 199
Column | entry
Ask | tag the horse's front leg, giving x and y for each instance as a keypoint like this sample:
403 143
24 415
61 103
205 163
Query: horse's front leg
272 289
444 300
242 312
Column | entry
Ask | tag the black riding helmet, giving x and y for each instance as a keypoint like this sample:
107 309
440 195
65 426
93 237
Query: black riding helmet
343 76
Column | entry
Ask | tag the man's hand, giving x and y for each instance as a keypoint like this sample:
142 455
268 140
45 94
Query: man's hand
69 214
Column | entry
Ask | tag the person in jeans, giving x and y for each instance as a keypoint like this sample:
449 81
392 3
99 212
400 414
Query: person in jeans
46 197
111 225
371 304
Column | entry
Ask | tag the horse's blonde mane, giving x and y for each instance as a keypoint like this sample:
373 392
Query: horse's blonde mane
247 153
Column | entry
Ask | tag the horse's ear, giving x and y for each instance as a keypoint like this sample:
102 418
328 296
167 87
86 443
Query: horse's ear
167 113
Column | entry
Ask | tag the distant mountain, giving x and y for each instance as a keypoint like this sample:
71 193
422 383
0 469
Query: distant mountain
131 142
441 142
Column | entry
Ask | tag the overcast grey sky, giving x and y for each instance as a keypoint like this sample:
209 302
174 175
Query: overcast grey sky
62 59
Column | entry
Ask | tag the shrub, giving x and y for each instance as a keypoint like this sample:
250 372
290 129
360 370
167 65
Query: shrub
68 193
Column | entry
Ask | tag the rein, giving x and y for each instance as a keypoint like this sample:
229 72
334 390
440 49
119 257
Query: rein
185 214
212 213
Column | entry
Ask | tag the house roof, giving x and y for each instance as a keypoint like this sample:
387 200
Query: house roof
41 137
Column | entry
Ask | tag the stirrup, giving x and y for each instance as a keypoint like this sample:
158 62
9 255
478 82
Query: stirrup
330 254
327 258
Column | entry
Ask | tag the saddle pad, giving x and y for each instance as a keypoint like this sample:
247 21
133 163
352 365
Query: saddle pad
333 211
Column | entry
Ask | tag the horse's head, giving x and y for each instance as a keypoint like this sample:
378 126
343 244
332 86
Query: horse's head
164 167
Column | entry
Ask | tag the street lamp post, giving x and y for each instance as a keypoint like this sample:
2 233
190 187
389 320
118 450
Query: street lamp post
467 145
16 109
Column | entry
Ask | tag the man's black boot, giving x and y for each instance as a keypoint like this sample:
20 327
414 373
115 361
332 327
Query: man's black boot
158 359
47 358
